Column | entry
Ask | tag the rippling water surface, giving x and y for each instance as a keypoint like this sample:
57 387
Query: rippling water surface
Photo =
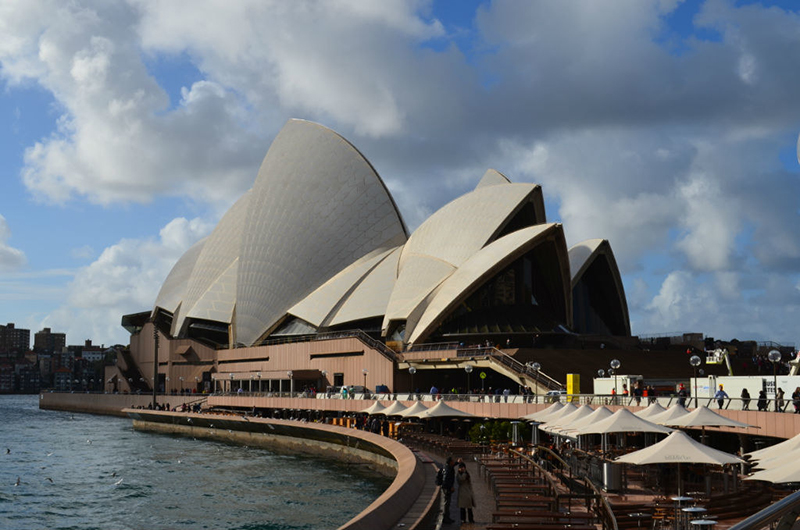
79 471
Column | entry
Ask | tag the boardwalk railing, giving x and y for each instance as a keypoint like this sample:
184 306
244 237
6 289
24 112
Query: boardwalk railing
779 516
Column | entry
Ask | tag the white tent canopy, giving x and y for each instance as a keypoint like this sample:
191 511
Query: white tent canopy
413 410
375 408
566 410
537 416
789 471
394 409
703 416
622 420
556 425
443 410
597 415
782 448
678 448
654 408
675 411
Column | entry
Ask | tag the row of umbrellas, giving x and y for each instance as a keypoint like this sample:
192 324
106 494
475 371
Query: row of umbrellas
417 410
779 463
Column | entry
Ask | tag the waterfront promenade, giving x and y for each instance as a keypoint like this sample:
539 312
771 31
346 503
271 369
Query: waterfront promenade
239 426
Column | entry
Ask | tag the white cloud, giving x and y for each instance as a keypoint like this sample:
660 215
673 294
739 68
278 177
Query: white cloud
10 258
124 279
665 145
83 252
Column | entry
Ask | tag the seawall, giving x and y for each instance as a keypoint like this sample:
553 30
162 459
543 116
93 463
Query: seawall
387 456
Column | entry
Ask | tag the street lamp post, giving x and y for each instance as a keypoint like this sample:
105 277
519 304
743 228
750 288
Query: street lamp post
775 356
412 370
365 371
694 360
291 383
615 364
231 387
258 376
468 368
155 364
535 367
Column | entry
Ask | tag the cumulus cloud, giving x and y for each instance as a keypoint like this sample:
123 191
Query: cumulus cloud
666 145
10 258
124 279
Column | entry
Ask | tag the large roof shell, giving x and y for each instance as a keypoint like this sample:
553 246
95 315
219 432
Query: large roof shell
211 291
481 267
581 258
492 177
316 307
323 207
451 236
174 287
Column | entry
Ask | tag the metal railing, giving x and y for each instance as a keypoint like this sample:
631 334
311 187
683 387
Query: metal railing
778 516
508 361
348 334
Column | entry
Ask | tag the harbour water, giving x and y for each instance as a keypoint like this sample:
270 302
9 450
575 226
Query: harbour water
60 470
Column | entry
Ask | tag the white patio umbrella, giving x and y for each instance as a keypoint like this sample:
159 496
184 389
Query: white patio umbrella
622 420
782 448
375 408
442 410
536 416
789 471
652 410
675 411
597 415
413 410
566 410
556 426
394 409
703 416
679 448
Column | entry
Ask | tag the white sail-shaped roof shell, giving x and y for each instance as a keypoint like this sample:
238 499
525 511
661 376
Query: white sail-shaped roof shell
211 292
323 207
492 177
582 256
318 306
174 287
479 268
450 237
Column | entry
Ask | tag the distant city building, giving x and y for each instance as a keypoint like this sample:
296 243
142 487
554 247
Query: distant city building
6 379
27 377
88 352
14 339
62 379
46 341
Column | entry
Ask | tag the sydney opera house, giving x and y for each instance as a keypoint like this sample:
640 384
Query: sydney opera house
312 279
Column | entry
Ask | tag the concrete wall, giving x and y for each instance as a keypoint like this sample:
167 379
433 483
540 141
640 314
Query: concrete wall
108 404
388 456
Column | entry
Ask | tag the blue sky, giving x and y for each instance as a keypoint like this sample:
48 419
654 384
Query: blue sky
669 128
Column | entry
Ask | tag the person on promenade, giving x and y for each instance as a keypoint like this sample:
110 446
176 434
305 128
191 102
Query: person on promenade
779 400
762 400
721 396
448 486
682 395
466 498
745 399
796 400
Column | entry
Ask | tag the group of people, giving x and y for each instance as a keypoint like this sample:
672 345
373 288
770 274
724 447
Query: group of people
455 472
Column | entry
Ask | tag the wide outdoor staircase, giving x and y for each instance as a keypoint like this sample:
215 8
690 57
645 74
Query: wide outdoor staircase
483 357
130 371
505 364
